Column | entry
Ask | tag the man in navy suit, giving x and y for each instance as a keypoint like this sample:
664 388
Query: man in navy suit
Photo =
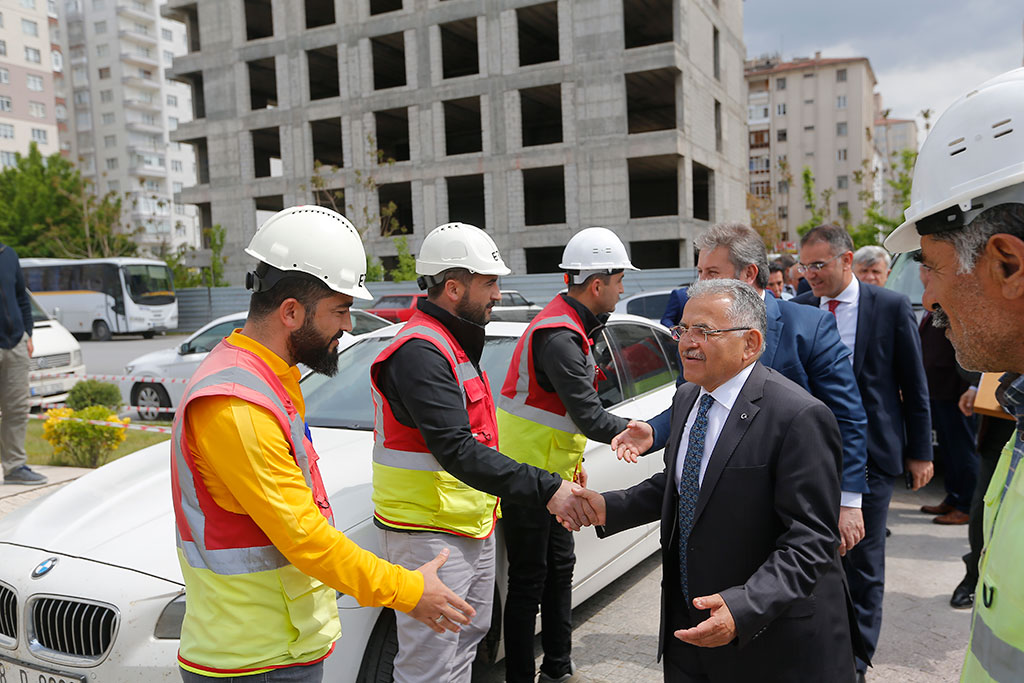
879 326
802 344
674 307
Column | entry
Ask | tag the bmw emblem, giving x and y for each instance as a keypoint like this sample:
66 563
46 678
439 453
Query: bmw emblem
44 568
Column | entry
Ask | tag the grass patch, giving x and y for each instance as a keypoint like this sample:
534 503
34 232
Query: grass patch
39 450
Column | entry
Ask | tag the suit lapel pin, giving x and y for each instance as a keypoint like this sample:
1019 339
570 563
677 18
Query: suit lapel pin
743 416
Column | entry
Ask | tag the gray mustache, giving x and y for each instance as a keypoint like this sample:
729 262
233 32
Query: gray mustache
939 318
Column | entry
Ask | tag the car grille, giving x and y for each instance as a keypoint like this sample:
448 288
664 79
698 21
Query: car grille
57 360
8 615
70 627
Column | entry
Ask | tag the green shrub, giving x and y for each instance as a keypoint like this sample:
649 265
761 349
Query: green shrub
79 443
92 392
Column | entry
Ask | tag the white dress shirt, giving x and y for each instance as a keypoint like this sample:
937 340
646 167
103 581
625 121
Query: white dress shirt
725 396
846 321
846 313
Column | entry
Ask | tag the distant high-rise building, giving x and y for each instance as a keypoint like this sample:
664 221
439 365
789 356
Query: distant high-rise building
28 60
815 113
122 109
531 120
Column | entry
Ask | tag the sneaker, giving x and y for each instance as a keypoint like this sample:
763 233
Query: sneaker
23 475
571 677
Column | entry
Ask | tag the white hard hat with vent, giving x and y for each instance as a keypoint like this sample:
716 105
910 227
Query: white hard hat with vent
594 251
457 245
311 240
972 160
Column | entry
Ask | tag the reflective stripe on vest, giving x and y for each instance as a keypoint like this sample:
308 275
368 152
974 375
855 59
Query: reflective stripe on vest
233 574
411 490
534 424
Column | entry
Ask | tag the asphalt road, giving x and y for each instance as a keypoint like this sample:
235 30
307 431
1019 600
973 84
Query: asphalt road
110 357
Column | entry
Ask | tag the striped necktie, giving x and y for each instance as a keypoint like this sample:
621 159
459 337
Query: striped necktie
689 484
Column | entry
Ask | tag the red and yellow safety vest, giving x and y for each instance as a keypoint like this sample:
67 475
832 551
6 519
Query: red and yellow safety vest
533 422
411 490
234 576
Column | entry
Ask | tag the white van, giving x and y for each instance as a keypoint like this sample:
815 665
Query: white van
56 352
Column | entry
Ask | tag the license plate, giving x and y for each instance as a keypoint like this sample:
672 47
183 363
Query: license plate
17 672
46 390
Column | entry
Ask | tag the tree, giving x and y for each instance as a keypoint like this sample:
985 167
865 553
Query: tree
876 224
189 276
405 269
819 214
48 209
763 219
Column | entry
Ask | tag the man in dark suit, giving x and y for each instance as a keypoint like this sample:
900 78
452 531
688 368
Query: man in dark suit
752 586
803 345
879 326
674 307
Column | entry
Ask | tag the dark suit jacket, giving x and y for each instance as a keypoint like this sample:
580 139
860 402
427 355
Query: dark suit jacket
804 345
890 374
764 535
674 307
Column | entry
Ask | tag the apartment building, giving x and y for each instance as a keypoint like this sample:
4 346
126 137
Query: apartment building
815 113
529 119
28 60
891 137
122 110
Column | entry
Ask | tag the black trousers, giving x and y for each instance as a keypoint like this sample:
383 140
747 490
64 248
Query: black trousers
956 434
540 565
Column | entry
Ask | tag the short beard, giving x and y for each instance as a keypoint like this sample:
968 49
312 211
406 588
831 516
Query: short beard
476 315
939 318
309 348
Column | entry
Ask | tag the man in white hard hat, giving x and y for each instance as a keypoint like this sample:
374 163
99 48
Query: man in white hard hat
256 543
548 409
967 216
437 471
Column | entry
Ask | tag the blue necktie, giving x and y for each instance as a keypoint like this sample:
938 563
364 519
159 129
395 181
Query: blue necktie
689 484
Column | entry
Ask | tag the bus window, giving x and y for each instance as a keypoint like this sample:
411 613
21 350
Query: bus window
149 285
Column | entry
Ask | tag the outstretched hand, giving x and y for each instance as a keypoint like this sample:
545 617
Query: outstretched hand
633 441
594 502
717 630
439 607
573 512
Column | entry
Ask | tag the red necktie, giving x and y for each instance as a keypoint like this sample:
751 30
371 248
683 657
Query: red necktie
832 306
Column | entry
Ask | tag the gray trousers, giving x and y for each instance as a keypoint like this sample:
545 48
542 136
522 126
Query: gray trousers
13 405
423 654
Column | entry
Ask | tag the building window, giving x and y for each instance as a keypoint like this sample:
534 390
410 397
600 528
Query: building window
8 159
57 60
841 75
809 75
5 103
841 154
35 83
780 109
108 119
758 139
33 55
37 110
6 130
841 128
39 135
783 212
168 56
1 19
176 166
113 186
842 182
780 83
166 34
172 100
715 57
112 164
5 76
172 122
809 128
843 209
780 135
102 50
3 48
783 186
718 126
104 72
106 95
29 28
100 27
28 4
109 140
176 187
841 102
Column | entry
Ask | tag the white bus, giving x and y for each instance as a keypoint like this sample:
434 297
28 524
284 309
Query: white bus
101 297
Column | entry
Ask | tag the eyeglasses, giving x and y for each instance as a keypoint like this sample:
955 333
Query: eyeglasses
695 332
816 266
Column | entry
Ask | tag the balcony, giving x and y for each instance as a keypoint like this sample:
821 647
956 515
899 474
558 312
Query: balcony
149 39
134 13
143 83
140 60
142 105
141 168
142 127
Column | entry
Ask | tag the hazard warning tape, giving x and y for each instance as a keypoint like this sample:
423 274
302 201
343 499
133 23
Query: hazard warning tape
113 378
46 405
104 423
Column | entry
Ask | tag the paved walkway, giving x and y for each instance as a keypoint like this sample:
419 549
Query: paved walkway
16 495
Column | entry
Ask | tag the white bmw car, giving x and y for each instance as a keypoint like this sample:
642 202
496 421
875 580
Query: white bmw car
90 588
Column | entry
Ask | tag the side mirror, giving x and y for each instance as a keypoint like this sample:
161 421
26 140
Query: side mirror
184 349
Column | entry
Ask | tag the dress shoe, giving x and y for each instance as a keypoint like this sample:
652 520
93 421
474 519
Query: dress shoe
940 509
963 595
953 517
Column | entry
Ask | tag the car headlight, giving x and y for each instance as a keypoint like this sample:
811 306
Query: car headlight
168 626
76 358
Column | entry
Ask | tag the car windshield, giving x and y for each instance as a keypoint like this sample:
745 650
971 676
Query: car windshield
344 401
38 314
365 322
150 285
905 278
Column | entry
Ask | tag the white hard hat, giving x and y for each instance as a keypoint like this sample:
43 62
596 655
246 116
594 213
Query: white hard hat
311 240
593 251
458 245
972 160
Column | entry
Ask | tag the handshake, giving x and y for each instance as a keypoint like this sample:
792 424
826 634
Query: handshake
576 507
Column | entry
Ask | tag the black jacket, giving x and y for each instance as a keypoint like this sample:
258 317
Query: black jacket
15 310
418 383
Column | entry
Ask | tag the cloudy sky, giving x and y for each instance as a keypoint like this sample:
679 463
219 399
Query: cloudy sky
925 53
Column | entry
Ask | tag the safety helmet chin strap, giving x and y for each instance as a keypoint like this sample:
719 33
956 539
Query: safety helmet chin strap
266 277
578 277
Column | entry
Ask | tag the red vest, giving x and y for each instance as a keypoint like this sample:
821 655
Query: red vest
410 488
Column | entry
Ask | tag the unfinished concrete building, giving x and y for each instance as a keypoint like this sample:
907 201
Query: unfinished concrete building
529 119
